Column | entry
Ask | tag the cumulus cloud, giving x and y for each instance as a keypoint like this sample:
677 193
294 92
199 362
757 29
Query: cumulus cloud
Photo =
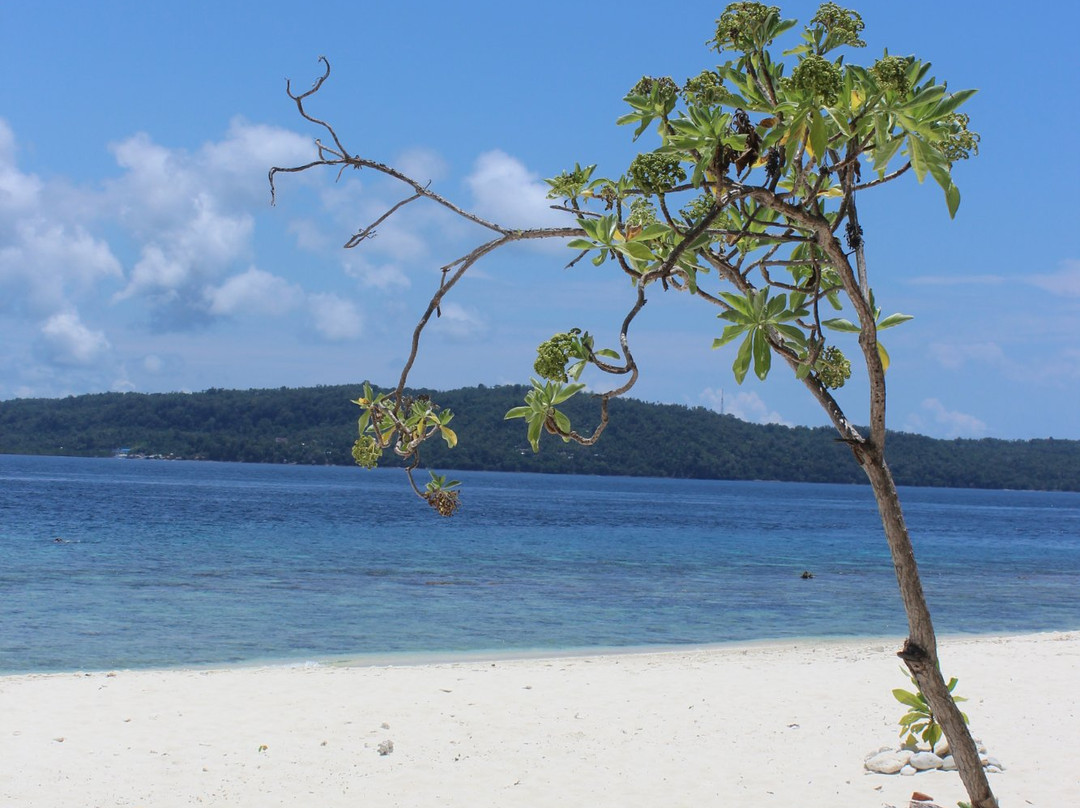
19 192
189 212
745 405
254 292
506 192
66 341
42 264
935 419
336 318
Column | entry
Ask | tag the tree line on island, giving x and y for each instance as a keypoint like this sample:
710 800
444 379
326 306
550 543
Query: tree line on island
318 426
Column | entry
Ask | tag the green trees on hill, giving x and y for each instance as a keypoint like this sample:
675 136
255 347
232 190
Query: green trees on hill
316 426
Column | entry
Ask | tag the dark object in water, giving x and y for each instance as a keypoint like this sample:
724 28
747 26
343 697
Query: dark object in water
806 575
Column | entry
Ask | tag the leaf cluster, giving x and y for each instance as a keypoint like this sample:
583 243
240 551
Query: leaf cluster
919 722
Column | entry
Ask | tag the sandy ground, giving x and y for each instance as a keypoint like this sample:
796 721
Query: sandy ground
778 724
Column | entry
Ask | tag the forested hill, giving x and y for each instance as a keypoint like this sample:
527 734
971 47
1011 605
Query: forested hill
318 425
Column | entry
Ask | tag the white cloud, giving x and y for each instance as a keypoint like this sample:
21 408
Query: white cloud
507 193
958 280
956 355
335 318
936 420
459 323
254 292
1066 281
190 212
196 246
43 263
46 257
19 192
422 165
67 341
377 276
237 165
745 405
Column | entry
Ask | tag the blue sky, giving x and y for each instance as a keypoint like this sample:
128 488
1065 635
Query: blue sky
139 251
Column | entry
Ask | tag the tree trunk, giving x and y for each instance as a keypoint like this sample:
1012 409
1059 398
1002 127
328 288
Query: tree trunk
920 650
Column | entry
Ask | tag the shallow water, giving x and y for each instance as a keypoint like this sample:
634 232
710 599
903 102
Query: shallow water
185 563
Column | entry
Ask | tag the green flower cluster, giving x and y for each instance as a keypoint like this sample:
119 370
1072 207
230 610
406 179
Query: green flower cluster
819 78
841 24
738 26
833 368
552 356
656 173
570 184
642 213
961 142
366 452
697 208
891 73
664 85
706 87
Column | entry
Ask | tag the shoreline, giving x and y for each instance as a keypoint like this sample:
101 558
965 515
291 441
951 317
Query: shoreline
763 723
395 659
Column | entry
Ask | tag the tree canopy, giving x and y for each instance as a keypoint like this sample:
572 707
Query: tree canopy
746 200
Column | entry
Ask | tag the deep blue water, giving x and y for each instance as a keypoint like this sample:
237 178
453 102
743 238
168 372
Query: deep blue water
184 563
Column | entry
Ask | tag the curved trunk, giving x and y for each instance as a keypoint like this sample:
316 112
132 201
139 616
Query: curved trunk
920 650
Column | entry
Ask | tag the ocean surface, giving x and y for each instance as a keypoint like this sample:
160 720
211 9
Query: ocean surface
109 563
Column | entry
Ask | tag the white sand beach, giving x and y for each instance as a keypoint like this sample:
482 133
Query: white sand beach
774 724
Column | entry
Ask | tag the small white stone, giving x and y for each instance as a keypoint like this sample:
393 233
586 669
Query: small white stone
884 763
993 770
908 770
925 760
941 748
948 764
993 761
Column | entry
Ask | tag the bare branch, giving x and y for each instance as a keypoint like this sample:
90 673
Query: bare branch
369 231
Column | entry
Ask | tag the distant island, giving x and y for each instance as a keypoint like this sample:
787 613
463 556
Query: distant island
317 425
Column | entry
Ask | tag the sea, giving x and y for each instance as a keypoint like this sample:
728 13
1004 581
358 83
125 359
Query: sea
120 563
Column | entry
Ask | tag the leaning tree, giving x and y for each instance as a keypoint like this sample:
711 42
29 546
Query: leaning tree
748 203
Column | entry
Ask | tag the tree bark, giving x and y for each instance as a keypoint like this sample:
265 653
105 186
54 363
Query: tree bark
920 650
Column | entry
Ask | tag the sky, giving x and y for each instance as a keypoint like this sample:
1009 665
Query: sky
139 250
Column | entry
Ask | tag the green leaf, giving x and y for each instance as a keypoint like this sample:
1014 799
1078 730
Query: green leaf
742 359
517 412
762 355
894 319
841 324
908 698
818 136
728 334
449 435
535 425
561 421
952 199
563 393
580 244
932 735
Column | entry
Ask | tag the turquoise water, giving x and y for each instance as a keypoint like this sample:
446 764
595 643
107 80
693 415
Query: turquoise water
184 563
